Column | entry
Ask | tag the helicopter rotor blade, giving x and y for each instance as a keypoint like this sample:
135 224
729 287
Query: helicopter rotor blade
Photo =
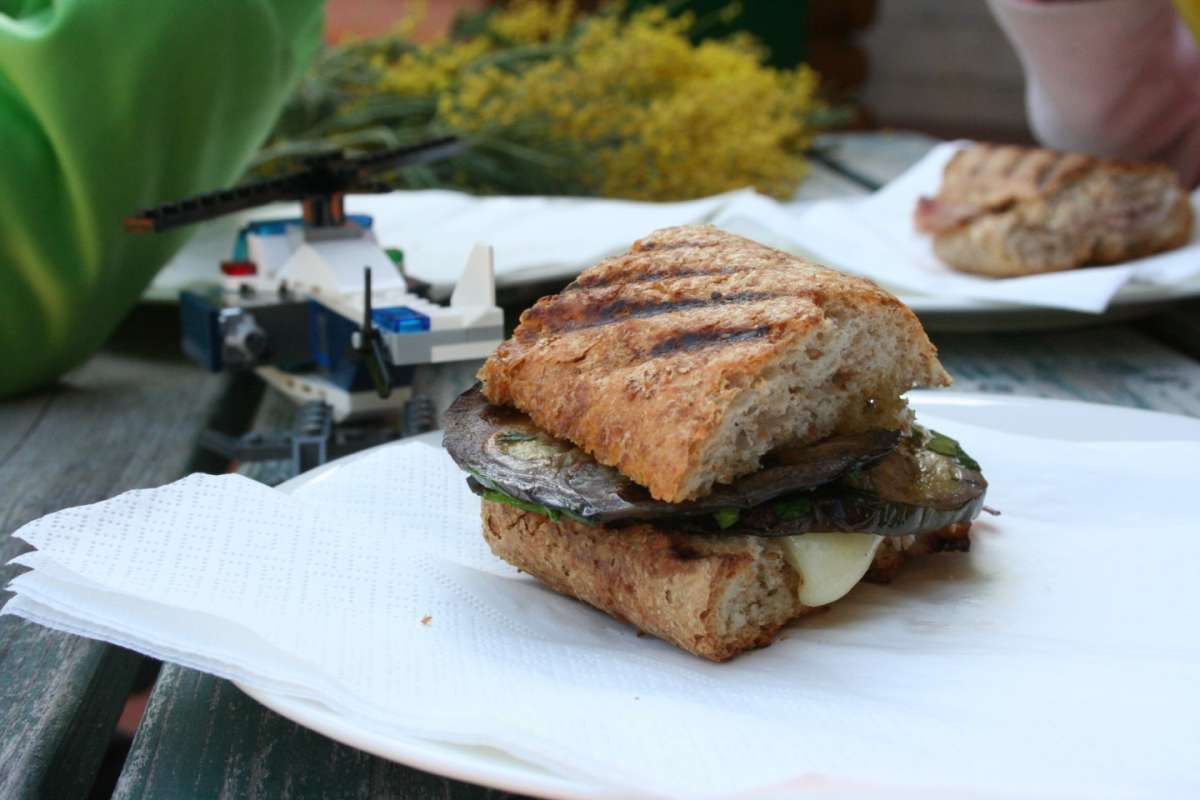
201 207
322 176
363 167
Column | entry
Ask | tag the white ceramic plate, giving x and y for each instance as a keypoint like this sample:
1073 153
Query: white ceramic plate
1035 417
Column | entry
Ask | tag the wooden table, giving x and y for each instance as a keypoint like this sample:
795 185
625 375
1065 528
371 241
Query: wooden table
129 418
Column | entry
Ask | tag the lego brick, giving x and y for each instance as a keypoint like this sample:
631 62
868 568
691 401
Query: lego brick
200 328
493 333
400 319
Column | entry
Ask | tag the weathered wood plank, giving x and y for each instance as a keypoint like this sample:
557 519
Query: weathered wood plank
126 419
1114 364
202 737
1178 326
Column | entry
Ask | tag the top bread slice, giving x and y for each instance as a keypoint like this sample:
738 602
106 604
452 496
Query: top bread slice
1004 211
684 361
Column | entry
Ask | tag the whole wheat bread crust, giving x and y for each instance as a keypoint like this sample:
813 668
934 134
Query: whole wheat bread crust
714 596
683 361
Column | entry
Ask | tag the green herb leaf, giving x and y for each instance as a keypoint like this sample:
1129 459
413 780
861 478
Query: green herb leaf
943 445
509 437
576 517
524 505
727 517
792 507
967 461
481 479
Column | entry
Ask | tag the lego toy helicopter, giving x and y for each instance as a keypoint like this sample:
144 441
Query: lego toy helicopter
314 304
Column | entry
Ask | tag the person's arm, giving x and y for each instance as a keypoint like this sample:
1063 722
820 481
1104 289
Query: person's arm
1112 77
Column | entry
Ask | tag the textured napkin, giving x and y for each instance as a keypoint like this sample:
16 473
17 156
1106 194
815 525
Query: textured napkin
874 236
1058 658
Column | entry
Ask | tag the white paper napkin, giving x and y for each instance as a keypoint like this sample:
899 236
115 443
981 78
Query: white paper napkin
874 237
535 238
1058 658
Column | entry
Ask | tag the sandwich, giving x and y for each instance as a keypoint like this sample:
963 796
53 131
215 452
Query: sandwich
1004 211
708 438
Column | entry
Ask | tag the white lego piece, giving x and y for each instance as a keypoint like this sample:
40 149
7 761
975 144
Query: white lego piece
269 253
462 352
333 268
476 286
345 405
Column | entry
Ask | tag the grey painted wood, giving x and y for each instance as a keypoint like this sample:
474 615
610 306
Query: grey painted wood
202 737
1115 364
124 420
1178 326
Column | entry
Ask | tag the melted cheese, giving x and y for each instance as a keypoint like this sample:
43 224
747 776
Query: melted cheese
829 563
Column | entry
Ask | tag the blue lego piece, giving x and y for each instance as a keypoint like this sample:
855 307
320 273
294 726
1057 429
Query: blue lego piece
330 339
278 227
201 329
329 336
400 319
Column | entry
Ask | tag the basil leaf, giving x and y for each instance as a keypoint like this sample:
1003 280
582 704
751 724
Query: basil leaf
524 505
727 517
943 445
967 461
792 508
509 437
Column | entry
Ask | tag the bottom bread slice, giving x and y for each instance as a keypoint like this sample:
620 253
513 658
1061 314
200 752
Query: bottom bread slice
714 596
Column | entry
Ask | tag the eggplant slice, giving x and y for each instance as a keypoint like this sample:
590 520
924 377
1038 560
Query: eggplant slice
875 481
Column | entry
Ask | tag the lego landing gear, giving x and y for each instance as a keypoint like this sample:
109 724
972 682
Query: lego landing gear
315 439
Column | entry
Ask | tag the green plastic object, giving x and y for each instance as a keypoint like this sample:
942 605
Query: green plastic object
106 107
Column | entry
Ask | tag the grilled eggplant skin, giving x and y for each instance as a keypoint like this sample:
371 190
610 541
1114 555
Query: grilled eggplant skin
877 482
505 451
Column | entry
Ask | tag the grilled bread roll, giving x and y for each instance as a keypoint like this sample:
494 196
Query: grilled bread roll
1005 211
684 361
714 596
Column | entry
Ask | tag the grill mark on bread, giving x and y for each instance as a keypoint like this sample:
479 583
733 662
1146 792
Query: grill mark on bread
1045 168
660 246
601 281
697 340
562 317
1014 165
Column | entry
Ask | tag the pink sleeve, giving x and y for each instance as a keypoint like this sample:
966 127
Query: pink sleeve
1111 77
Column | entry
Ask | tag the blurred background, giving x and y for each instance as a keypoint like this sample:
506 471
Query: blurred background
659 100
874 53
